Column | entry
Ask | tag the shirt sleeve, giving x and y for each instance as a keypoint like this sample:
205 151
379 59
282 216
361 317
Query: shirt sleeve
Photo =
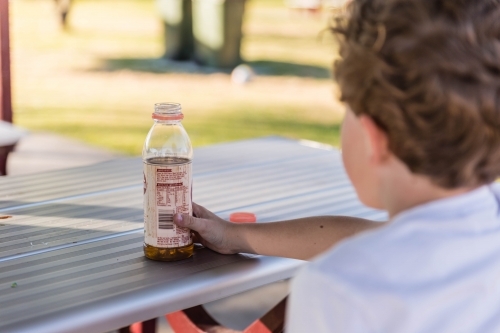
317 305
495 187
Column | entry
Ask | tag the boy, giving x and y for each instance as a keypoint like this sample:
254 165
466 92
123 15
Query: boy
420 139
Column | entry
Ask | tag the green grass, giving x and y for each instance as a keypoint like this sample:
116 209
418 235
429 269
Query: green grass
203 130
97 82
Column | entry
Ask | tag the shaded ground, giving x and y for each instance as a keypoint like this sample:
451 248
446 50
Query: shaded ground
38 152
260 67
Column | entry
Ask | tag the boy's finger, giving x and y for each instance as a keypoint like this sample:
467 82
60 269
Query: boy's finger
199 211
187 221
196 237
196 210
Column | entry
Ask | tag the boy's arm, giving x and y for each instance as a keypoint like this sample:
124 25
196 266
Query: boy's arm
299 239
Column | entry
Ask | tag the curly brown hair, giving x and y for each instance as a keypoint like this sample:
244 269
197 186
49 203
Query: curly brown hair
428 73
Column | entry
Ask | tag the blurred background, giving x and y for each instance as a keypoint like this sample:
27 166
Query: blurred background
96 77
86 75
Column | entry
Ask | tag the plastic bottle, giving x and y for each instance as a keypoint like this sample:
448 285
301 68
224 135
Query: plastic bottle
167 156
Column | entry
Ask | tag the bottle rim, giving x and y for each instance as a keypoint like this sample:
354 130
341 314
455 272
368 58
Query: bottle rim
168 111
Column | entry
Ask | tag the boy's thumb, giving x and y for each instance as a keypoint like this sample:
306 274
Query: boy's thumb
185 220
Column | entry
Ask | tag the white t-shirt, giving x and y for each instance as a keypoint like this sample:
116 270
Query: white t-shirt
434 268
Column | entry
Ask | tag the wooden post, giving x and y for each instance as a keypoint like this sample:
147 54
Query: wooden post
5 88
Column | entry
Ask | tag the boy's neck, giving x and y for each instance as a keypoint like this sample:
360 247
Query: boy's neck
408 190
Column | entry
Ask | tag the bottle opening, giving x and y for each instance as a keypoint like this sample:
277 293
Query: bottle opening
168 111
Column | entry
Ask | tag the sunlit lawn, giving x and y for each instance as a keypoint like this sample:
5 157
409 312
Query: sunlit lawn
98 81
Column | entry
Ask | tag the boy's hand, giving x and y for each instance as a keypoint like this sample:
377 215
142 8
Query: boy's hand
209 229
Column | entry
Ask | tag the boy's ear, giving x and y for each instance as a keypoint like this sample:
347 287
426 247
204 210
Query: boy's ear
377 140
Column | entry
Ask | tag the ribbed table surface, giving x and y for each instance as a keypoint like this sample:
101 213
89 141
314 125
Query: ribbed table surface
71 255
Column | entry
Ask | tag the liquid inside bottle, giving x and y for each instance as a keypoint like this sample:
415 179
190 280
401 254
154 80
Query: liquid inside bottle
167 157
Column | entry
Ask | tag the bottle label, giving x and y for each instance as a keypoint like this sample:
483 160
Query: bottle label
167 191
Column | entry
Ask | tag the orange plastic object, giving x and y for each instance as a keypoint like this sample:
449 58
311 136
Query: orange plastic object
242 217
198 320
167 116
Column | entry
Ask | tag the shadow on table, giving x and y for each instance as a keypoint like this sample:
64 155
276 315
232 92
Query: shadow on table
161 65
55 224
76 211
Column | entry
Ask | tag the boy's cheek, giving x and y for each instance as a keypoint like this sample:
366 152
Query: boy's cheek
352 153
355 157
364 180
352 147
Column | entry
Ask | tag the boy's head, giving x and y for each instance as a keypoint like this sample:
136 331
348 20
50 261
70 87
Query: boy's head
427 73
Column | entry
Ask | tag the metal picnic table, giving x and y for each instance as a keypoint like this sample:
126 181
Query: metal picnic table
71 257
